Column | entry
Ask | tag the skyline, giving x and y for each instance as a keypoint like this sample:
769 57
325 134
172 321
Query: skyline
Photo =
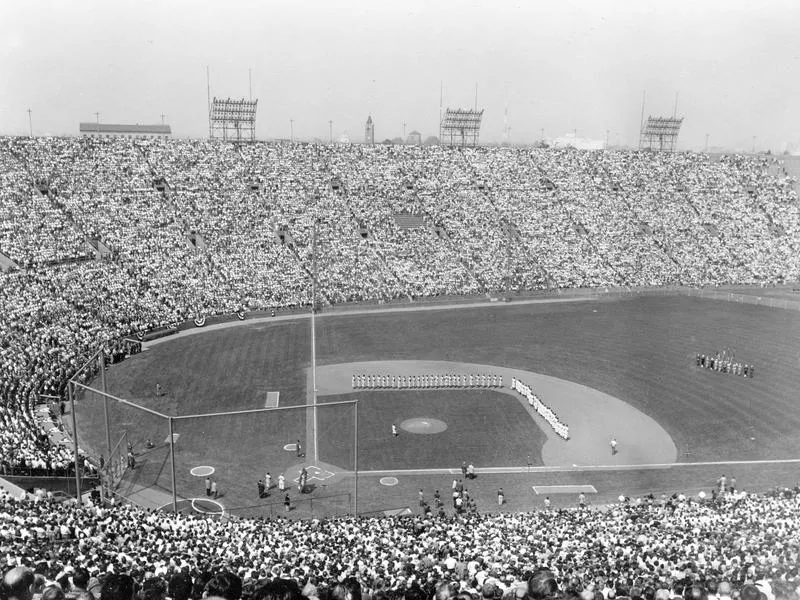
565 67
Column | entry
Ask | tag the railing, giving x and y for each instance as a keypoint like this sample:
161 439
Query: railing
716 294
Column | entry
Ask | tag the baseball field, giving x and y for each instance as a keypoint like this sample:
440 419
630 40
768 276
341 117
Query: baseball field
622 368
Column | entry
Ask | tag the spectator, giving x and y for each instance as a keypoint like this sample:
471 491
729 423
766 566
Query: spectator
18 584
117 587
224 585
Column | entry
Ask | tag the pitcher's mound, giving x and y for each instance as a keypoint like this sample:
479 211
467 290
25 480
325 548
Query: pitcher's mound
423 425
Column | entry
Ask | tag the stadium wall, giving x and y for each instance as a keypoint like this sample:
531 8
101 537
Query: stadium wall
729 294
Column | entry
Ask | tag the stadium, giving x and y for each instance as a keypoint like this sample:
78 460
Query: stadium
242 364
195 338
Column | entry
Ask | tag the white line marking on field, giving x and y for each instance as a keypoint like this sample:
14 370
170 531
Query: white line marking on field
563 489
559 469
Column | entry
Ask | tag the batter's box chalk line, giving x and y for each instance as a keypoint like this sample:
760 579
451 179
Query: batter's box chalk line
314 472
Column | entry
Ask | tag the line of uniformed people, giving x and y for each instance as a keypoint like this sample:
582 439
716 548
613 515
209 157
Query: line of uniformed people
427 380
725 365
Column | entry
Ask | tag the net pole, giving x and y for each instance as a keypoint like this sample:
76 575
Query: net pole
355 462
314 339
75 442
101 362
172 467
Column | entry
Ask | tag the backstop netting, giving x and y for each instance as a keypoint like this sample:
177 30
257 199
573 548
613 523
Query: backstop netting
231 449
238 449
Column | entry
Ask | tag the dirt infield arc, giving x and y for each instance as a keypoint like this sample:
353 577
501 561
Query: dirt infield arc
593 416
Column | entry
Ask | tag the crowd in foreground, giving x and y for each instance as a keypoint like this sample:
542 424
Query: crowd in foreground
235 227
649 549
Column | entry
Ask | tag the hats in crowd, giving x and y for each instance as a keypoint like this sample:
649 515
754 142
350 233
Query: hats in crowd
751 592
491 589
94 587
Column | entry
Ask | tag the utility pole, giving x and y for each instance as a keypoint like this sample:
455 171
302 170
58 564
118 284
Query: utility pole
706 143
162 119
404 131
330 130
541 138
754 144
30 123
291 130
608 132
97 116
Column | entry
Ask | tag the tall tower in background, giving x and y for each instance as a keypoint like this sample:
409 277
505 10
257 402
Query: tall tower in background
369 132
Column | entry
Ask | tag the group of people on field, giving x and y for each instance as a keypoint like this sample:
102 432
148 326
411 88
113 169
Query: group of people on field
427 381
722 363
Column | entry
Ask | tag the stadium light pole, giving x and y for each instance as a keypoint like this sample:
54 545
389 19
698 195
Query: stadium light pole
97 116
291 130
30 123
706 143
754 144
330 130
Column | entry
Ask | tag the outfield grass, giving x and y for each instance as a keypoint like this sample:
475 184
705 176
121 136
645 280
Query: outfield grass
640 350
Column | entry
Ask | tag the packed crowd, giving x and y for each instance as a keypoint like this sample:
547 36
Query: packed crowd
208 244
647 549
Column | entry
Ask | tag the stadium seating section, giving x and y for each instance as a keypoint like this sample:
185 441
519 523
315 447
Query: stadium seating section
113 238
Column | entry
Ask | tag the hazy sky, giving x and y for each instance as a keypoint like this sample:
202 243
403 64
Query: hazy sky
558 65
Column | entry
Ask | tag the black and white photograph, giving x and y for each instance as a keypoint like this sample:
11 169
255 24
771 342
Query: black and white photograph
399 300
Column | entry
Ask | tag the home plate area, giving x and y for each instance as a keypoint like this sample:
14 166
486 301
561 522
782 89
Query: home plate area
314 472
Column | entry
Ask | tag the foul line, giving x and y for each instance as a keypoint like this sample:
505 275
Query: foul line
566 469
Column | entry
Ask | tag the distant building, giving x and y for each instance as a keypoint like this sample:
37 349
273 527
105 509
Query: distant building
121 130
369 132
414 138
570 140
